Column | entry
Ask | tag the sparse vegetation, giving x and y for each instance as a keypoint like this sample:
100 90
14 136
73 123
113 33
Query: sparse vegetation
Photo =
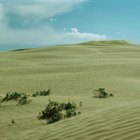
12 96
13 121
20 97
72 72
52 113
23 100
42 93
56 111
101 93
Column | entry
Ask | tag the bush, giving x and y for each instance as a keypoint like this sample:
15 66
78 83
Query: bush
70 113
70 109
101 93
13 121
52 113
23 100
56 111
20 97
69 105
42 93
12 96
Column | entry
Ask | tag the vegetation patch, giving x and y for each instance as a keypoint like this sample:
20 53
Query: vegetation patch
56 111
15 96
23 100
101 93
13 121
12 96
42 93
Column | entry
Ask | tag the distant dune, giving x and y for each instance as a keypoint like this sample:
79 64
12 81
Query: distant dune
107 42
73 72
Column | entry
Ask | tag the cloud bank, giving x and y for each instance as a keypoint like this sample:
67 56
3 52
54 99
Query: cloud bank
28 22
78 36
30 11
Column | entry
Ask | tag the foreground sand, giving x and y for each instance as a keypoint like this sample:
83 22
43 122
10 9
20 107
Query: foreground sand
73 72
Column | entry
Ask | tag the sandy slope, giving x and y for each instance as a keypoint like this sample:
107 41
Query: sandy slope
73 72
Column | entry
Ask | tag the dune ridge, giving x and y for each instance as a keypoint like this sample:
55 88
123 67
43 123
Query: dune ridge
73 72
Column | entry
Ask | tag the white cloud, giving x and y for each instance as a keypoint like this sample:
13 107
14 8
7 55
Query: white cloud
31 11
40 8
35 10
74 31
44 36
77 36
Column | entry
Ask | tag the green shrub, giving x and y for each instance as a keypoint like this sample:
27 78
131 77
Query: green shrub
13 121
20 97
56 111
111 95
69 105
52 113
12 96
23 100
101 93
70 113
42 93
70 109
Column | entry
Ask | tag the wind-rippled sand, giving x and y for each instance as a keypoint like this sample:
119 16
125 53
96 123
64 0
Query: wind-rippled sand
73 72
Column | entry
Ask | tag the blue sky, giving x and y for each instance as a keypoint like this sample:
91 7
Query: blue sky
35 23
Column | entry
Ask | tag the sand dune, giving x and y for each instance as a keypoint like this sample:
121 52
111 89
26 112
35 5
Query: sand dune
73 72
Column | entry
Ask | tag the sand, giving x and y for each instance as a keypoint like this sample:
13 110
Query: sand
73 72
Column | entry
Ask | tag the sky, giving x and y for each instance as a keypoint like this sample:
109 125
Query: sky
37 23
